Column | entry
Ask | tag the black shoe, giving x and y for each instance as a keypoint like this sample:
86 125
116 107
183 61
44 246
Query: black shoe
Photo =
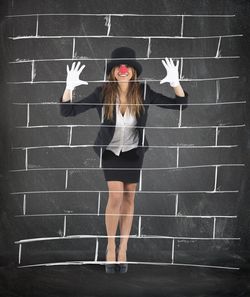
110 268
123 268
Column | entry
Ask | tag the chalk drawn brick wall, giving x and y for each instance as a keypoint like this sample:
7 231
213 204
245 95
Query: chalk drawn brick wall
187 198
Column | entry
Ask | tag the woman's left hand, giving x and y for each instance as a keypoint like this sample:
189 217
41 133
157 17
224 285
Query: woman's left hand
172 72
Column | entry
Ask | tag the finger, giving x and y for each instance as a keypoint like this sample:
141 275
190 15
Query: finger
164 80
177 64
168 62
77 66
164 63
172 62
73 66
81 69
67 68
83 82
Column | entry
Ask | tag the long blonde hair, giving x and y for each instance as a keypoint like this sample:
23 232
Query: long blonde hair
110 92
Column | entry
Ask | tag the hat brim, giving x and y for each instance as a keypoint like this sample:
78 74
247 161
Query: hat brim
132 63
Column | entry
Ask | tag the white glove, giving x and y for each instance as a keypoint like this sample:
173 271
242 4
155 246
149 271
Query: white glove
172 72
73 74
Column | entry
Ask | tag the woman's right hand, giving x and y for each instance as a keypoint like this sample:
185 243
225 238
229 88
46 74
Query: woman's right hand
73 74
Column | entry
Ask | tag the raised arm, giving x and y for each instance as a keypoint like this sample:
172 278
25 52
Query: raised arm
67 108
179 92
73 80
172 77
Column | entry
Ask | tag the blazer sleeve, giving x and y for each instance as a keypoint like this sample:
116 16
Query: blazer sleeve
69 108
171 103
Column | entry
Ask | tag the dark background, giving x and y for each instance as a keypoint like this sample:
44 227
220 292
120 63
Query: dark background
201 218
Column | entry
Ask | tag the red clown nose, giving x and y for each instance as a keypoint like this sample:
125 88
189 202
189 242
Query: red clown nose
123 69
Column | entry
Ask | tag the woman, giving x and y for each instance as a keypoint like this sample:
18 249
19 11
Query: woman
122 103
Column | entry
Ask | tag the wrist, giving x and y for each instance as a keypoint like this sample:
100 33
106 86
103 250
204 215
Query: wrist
174 84
69 88
67 95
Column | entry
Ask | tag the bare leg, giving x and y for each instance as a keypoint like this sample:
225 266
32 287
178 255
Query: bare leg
125 222
111 221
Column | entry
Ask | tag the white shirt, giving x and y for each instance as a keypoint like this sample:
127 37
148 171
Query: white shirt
125 136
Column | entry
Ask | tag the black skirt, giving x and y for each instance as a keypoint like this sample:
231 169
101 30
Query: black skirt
125 167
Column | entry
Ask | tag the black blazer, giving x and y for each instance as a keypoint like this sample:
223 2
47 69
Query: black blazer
107 127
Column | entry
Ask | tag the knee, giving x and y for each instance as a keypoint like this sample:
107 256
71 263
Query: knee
129 197
115 201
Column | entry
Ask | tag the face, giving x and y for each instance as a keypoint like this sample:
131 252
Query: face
123 73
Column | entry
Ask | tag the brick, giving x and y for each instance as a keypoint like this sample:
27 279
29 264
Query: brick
162 117
61 203
231 90
45 92
177 227
71 25
148 203
21 26
97 6
62 250
68 157
219 114
231 46
145 26
206 252
213 26
84 135
56 70
41 226
18 115
40 48
87 180
36 93
49 114
160 157
153 70
226 227
181 136
208 204
179 179
92 225
231 135
211 68
198 91
27 181
18 204
20 72
90 48
149 246
161 48
209 156
28 137
17 159
229 178
155 204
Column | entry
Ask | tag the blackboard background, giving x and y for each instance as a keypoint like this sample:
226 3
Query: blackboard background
15 228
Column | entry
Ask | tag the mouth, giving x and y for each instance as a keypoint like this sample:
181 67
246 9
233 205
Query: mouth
123 74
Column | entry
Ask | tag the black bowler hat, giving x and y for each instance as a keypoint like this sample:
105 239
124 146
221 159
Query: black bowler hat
124 55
